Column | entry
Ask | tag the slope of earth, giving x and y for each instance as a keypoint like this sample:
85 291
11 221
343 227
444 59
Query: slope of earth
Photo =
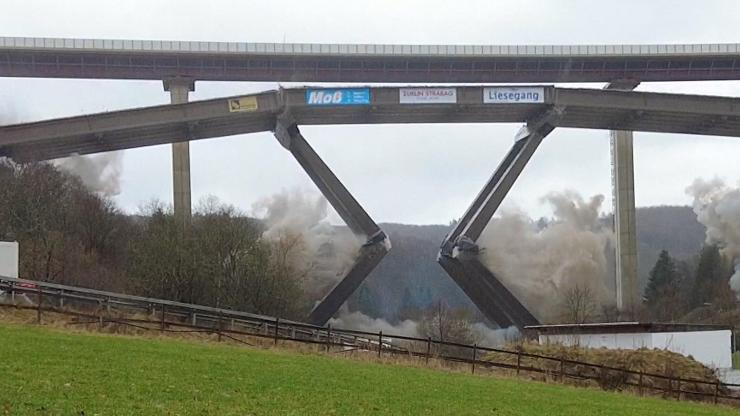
48 371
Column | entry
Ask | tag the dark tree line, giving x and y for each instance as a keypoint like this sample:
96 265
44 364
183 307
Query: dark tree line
70 235
690 290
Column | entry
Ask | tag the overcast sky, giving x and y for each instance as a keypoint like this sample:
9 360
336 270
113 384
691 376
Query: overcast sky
401 173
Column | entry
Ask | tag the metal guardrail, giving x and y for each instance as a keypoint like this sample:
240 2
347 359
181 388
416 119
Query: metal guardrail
168 316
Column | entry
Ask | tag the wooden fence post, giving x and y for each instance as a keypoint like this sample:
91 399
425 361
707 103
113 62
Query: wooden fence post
678 390
475 353
716 392
277 327
562 370
220 324
328 338
518 361
100 315
40 300
380 342
639 384
429 350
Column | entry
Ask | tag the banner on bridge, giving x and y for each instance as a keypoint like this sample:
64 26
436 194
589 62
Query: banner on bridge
514 95
427 95
338 96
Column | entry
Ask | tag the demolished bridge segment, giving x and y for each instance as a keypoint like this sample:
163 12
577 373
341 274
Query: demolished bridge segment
356 218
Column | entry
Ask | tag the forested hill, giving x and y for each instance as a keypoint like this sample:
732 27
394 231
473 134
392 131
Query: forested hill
409 277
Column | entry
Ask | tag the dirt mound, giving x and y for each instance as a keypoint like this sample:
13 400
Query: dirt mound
600 364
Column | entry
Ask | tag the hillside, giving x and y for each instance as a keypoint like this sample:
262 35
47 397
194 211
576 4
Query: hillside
46 371
409 277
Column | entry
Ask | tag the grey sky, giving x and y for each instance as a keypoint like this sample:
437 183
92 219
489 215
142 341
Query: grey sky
413 174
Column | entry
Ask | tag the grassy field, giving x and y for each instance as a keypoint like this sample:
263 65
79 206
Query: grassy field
47 371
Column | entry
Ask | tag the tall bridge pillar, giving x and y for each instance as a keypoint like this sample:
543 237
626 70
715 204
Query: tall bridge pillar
179 89
623 199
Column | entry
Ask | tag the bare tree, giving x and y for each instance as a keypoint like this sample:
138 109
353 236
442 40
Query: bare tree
440 322
579 304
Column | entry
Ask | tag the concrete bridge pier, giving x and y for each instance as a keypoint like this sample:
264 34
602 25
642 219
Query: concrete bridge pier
179 89
623 197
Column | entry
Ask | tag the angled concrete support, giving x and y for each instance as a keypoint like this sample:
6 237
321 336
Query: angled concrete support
358 221
459 251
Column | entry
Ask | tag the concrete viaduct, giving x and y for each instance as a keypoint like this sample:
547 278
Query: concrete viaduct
181 63
284 110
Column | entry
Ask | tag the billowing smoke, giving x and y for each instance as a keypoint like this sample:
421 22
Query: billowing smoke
361 322
297 225
717 207
358 321
99 173
495 337
540 263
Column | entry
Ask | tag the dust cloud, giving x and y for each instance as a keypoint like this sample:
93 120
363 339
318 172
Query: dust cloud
540 261
717 207
298 227
99 173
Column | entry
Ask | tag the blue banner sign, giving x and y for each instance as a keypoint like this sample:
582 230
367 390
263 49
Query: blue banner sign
340 96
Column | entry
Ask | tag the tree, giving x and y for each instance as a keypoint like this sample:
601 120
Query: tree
663 292
445 324
67 234
710 275
579 304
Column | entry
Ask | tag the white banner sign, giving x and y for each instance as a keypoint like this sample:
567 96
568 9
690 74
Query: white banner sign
513 95
427 95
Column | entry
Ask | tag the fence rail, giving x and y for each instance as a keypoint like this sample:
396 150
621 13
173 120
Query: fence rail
100 307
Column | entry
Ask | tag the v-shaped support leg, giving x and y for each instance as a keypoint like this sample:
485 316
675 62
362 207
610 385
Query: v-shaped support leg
459 252
358 221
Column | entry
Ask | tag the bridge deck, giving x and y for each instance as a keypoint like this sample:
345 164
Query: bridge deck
584 108
302 62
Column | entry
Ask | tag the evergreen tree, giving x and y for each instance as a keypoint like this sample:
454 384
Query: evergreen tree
662 294
709 274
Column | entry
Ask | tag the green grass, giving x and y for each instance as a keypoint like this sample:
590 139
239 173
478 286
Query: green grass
47 371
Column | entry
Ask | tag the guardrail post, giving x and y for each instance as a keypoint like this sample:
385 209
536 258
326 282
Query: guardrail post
639 384
38 309
429 349
475 353
107 304
161 323
194 319
380 342
61 298
670 387
277 327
